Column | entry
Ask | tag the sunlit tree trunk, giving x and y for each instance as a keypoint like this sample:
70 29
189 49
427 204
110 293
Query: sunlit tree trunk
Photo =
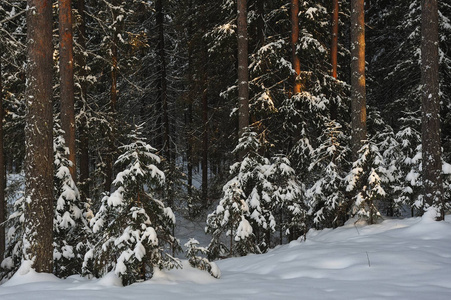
293 40
358 87
334 39
430 117
243 73
67 80
38 234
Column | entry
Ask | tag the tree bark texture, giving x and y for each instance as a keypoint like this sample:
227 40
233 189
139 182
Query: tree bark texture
83 130
67 80
430 117
38 232
334 39
294 37
358 87
243 72
2 175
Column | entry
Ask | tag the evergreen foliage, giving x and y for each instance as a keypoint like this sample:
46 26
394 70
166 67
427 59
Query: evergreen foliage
133 228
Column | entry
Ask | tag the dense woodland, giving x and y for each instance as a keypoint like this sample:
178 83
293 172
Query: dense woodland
262 118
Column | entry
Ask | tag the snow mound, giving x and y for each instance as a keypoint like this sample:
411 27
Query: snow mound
396 259
26 275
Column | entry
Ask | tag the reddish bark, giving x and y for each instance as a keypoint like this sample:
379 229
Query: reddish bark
358 85
39 138
334 40
243 73
67 80
293 40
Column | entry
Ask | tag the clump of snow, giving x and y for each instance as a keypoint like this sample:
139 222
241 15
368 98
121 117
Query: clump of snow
27 275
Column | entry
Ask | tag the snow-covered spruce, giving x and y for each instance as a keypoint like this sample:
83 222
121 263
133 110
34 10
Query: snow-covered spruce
70 225
260 194
197 258
287 199
326 197
133 229
14 240
364 183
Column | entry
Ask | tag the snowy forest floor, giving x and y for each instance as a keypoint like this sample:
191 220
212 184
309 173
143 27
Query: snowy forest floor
397 259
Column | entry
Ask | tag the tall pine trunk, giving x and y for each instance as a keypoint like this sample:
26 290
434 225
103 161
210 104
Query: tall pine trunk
334 39
358 87
162 79
83 130
67 80
113 99
205 136
430 117
293 40
243 72
2 175
38 233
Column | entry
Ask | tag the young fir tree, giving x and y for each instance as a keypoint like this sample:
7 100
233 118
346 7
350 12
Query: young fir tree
364 184
14 240
70 223
287 198
326 197
232 216
133 229
196 258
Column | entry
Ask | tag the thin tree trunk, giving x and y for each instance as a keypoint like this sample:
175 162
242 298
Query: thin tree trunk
2 175
205 143
189 116
113 102
260 22
334 54
293 40
38 224
83 131
430 117
243 73
67 80
162 82
334 40
358 87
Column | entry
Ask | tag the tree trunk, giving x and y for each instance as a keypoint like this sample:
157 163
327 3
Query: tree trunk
358 88
113 102
38 236
293 40
243 72
189 116
205 141
83 131
334 55
162 82
260 22
430 117
2 175
67 80
334 40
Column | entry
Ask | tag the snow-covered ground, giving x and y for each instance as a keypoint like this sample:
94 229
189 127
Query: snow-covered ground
397 259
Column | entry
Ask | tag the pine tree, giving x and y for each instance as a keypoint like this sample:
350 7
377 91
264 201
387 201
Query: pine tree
38 236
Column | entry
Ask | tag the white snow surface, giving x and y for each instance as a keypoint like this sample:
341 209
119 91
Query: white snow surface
397 259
